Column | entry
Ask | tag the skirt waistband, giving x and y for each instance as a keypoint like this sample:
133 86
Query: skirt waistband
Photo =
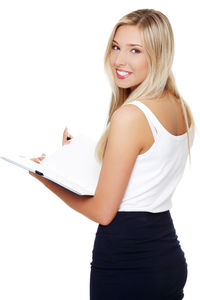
138 224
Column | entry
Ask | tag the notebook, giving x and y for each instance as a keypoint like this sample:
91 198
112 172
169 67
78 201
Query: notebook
73 166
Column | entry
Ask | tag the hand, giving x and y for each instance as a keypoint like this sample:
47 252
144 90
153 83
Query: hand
37 160
66 135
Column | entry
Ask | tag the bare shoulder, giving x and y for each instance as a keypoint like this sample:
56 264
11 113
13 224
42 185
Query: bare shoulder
128 108
129 113
131 119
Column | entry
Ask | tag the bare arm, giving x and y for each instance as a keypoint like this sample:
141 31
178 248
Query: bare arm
125 141
86 205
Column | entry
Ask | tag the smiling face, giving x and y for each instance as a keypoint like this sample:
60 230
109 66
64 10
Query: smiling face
128 62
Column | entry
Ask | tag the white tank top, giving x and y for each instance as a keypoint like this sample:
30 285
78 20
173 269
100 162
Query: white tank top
156 172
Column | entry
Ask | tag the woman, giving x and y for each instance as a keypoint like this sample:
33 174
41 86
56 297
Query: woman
144 149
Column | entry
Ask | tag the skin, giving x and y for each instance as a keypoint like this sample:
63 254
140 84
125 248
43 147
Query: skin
115 171
128 58
118 161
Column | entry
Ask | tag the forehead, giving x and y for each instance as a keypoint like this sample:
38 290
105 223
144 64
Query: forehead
127 34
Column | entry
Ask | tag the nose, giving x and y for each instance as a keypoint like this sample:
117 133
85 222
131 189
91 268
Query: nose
121 59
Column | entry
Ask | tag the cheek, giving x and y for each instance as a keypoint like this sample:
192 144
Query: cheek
111 58
141 66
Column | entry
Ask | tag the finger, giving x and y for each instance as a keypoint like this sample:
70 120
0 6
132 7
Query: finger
65 134
40 158
66 137
65 142
69 135
43 156
35 160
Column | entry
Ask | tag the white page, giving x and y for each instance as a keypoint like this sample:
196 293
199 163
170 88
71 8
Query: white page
76 162
73 166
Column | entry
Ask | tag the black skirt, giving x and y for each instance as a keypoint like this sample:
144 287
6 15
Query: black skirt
138 257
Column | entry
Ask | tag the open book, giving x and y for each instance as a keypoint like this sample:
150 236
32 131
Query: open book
73 166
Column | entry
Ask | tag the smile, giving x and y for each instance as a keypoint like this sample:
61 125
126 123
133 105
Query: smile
122 74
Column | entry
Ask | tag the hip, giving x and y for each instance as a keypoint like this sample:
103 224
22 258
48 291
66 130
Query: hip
141 241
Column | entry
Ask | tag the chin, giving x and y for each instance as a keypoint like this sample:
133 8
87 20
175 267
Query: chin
128 86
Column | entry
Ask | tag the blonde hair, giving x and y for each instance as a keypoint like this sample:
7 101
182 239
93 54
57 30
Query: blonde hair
158 41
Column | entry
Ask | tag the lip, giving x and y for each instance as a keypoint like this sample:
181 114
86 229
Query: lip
124 76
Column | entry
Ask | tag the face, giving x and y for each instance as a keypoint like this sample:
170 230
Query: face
128 62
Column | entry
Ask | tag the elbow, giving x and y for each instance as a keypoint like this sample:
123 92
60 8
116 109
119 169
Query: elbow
106 219
104 213
103 222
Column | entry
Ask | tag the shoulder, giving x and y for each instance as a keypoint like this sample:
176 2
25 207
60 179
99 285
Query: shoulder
127 112
131 117
128 126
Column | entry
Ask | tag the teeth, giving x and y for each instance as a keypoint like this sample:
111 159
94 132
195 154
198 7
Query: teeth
122 73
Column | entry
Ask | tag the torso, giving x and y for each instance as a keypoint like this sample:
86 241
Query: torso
168 111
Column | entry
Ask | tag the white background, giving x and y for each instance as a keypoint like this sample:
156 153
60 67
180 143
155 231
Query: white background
52 76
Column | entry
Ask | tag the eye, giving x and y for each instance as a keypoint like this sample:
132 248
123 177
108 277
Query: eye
137 51
114 46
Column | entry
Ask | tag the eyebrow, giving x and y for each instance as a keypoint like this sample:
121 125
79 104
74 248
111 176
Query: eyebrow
129 44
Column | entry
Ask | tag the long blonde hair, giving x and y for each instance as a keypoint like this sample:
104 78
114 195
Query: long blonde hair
158 41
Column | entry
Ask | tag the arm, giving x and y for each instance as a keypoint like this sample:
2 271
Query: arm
86 205
123 146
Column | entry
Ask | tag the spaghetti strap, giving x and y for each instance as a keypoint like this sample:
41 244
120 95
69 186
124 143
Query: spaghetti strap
157 124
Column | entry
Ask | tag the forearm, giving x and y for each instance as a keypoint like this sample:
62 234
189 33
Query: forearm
86 205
